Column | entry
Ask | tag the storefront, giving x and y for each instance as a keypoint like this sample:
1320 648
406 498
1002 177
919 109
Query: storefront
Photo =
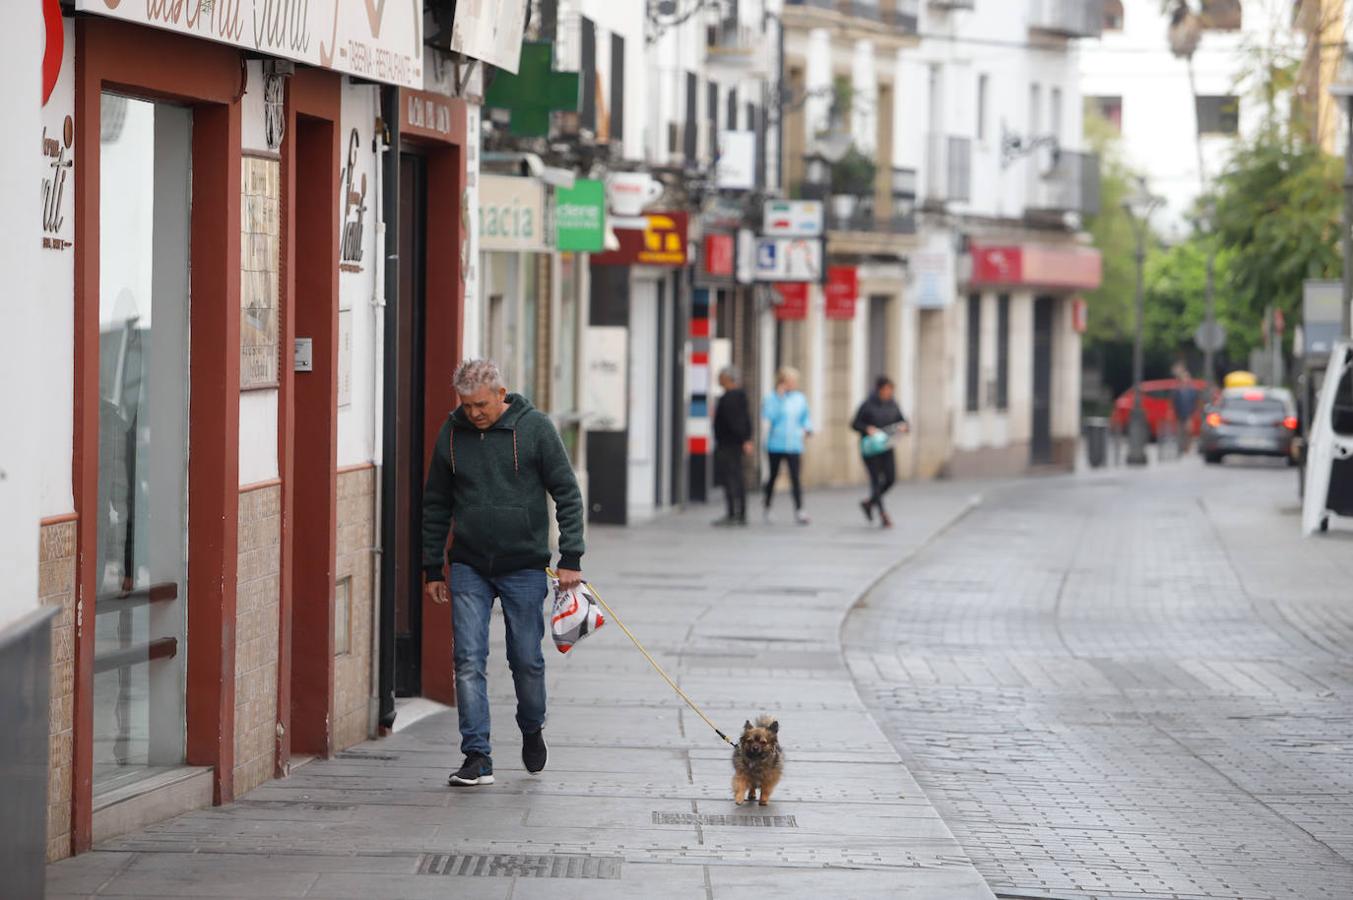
208 490
639 320
1019 361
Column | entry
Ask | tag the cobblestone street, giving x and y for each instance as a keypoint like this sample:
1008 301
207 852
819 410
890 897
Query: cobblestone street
1133 684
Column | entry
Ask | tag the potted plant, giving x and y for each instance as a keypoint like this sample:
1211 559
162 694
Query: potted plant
852 178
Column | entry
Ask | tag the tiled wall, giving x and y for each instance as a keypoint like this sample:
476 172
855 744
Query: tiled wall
352 670
257 593
56 587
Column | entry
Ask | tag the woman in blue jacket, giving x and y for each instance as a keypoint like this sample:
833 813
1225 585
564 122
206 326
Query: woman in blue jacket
786 409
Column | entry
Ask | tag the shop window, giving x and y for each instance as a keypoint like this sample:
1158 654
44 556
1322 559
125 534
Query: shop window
974 353
1003 352
1113 15
1218 114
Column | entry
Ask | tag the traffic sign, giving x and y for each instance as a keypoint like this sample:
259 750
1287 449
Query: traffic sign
1210 336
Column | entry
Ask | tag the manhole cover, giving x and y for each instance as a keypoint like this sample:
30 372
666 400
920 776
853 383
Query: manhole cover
520 865
746 821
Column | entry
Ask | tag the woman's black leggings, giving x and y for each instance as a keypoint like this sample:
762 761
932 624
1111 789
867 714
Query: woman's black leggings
793 460
882 473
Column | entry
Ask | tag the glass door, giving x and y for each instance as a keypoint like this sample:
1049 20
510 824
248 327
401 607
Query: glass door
140 656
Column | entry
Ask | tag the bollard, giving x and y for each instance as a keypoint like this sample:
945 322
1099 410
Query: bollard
1096 441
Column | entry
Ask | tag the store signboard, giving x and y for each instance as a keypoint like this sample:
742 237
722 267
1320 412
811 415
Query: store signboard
717 252
793 305
934 276
580 217
792 218
511 213
841 291
487 30
788 259
374 41
660 240
736 168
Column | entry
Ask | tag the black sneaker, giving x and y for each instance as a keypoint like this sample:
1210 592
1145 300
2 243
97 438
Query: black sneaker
534 753
476 770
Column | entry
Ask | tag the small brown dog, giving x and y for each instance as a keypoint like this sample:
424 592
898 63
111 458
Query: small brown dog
757 761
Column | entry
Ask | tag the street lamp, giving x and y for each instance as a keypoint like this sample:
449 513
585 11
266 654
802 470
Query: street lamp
1139 206
1342 90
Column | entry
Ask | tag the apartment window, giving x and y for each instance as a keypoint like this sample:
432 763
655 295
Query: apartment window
1110 109
1055 112
712 118
617 88
974 361
587 116
732 111
983 85
1218 114
690 147
1113 15
1223 15
1003 351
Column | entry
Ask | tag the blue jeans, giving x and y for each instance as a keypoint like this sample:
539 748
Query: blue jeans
523 597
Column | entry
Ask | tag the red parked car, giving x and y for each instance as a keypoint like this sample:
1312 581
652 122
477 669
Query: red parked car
1158 403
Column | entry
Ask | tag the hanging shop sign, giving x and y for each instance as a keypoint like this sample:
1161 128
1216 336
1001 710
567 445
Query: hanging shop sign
661 241
792 218
788 259
736 167
717 257
793 305
580 217
375 41
488 30
511 213
841 291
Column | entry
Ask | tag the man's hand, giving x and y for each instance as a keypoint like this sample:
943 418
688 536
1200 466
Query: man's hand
569 578
748 448
437 592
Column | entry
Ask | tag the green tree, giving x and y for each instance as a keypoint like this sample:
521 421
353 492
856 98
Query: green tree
1278 214
1111 305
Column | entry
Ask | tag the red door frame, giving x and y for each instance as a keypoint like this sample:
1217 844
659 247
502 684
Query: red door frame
209 78
435 126
307 413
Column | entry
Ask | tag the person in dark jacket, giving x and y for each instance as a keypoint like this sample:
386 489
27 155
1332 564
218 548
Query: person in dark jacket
732 442
876 420
495 460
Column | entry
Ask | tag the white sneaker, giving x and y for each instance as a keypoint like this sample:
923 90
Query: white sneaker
765 514
802 517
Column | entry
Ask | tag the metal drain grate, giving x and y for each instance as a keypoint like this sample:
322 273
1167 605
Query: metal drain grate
358 754
520 865
752 821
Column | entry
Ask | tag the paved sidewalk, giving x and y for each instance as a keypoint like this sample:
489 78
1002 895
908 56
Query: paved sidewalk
636 801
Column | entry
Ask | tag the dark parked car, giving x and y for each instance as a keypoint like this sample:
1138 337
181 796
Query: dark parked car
1255 421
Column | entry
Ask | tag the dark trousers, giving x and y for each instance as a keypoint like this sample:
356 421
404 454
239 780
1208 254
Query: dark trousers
792 460
728 473
882 474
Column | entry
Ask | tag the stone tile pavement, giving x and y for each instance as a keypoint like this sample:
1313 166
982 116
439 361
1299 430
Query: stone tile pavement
636 801
1131 684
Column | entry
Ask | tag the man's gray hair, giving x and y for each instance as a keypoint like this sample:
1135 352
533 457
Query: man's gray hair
473 374
732 373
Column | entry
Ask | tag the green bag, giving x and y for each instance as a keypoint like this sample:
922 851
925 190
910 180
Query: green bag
876 443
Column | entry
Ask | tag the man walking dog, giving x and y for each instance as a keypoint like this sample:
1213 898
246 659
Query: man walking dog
495 460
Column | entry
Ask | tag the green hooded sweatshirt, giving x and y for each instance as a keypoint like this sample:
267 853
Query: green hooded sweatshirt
491 484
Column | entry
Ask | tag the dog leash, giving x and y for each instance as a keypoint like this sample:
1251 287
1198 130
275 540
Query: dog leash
654 663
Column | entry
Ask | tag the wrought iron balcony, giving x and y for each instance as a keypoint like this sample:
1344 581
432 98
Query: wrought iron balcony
1070 184
948 169
1067 18
734 47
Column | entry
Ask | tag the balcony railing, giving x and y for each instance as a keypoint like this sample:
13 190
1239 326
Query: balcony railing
948 169
954 4
734 46
865 216
902 14
1067 18
1069 185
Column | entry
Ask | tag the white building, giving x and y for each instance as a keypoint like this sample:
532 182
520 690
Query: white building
1134 80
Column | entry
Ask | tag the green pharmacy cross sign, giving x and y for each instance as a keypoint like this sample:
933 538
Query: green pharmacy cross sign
534 92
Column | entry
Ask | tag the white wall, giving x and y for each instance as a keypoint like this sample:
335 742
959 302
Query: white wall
1158 116
21 355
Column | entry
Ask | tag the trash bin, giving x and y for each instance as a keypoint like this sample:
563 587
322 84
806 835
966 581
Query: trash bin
1096 441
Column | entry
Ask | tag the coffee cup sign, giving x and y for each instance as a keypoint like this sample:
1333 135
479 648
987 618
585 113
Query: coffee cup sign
629 192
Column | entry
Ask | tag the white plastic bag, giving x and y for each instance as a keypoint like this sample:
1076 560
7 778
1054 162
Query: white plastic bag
574 615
